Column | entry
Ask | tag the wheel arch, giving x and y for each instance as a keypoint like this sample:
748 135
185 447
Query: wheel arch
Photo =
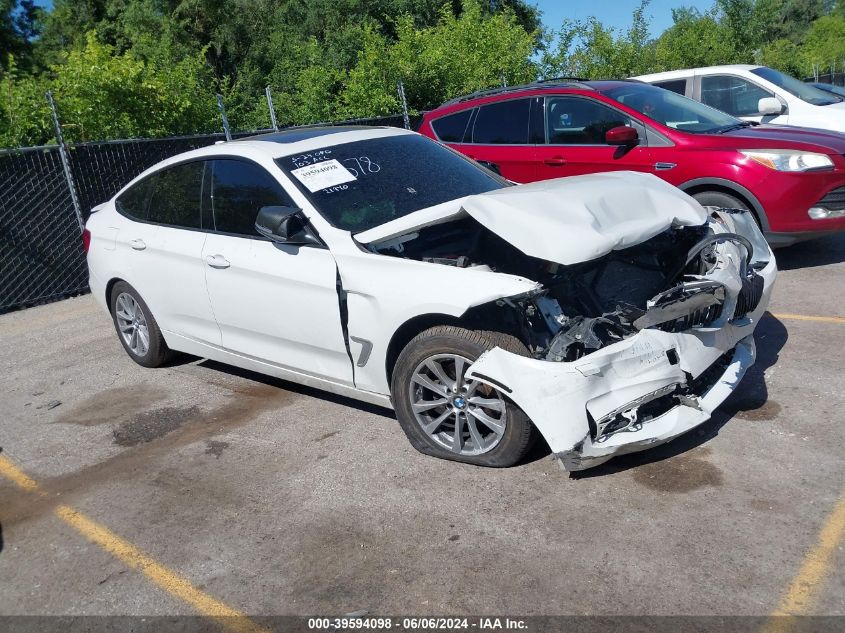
722 185
487 316
408 330
111 283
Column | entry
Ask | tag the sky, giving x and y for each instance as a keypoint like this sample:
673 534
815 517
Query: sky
615 13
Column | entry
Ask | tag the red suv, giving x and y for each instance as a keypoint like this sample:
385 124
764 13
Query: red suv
792 178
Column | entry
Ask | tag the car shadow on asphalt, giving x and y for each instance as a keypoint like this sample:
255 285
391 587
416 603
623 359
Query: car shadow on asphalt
812 253
749 402
292 387
751 397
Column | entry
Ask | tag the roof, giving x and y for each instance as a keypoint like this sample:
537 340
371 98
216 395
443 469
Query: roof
279 144
685 72
293 135
557 82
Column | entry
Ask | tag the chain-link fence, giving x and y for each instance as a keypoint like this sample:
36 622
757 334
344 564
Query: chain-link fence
42 257
837 79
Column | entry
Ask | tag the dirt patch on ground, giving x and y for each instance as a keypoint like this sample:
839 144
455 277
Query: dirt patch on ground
151 425
768 410
213 447
682 473
112 405
146 436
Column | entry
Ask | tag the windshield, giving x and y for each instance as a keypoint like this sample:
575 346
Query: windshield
796 88
357 186
672 109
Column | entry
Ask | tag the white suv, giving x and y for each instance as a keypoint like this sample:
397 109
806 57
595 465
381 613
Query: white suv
756 93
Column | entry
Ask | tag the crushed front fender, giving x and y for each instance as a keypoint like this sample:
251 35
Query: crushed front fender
631 395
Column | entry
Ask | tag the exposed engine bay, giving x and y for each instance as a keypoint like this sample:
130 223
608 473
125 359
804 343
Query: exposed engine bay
665 283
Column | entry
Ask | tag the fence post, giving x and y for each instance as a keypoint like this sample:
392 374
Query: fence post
400 87
63 154
271 108
222 108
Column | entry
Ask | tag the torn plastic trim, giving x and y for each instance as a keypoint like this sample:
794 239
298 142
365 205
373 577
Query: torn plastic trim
689 413
742 222
561 397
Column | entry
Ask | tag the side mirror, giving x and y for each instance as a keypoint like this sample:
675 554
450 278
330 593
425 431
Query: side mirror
286 225
769 105
622 135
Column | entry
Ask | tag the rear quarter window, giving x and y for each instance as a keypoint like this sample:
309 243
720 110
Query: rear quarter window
134 203
678 86
451 128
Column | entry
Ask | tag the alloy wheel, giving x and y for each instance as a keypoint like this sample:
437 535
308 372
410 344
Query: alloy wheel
132 324
463 416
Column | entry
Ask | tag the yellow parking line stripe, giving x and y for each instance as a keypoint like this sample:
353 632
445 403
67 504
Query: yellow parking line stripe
802 593
807 317
131 556
17 476
157 573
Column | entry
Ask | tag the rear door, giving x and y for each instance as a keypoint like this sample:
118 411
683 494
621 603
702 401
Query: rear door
273 302
575 128
164 249
500 136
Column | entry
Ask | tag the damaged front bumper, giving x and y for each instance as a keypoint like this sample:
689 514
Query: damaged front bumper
631 395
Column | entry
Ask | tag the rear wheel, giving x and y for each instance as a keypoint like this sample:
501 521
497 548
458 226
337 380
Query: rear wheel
446 414
136 327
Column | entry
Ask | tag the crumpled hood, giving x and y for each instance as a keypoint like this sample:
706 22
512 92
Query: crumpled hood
579 218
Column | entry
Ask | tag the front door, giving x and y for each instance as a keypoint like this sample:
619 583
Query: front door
274 303
736 96
575 143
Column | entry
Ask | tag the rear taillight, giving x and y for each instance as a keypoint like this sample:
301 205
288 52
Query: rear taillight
86 239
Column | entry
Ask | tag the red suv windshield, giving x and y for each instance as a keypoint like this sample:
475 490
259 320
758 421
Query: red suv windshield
671 109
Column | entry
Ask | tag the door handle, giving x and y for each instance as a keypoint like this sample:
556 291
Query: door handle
217 261
138 245
556 161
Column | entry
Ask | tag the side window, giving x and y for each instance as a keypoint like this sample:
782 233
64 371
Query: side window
134 203
177 194
580 121
733 95
503 123
675 85
238 191
451 128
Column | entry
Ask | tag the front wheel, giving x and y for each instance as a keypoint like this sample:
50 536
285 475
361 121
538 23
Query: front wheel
446 414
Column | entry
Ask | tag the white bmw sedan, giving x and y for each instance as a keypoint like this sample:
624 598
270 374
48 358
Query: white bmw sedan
607 313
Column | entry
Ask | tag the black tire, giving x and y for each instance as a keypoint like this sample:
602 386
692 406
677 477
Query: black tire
157 352
519 434
724 201
719 199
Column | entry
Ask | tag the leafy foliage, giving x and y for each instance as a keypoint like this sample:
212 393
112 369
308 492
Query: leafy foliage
152 67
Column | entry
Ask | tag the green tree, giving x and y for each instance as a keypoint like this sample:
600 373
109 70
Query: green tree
694 40
785 55
20 22
24 113
590 49
824 44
